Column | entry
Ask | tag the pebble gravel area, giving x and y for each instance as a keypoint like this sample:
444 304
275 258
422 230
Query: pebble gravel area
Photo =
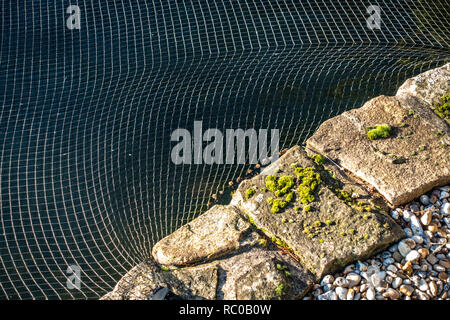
416 268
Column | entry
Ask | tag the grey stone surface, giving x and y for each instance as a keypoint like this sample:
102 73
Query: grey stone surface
218 231
256 274
141 282
401 167
259 272
323 249
429 86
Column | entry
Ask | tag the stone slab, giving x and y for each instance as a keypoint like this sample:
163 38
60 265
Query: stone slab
141 282
262 273
257 272
413 160
429 86
327 250
218 231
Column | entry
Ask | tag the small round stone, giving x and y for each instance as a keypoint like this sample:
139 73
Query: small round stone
445 209
406 289
370 294
407 215
422 285
417 239
413 255
341 282
426 218
350 294
405 246
397 282
328 279
391 294
433 288
341 293
353 279
424 252
424 199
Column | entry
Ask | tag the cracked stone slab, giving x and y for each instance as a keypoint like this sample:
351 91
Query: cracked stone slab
326 248
218 231
413 160
256 274
141 282
429 86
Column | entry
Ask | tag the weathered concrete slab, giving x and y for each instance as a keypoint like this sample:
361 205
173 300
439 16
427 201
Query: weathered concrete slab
429 86
262 273
145 279
218 231
408 163
332 233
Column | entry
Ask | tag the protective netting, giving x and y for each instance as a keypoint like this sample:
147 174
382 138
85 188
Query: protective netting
86 115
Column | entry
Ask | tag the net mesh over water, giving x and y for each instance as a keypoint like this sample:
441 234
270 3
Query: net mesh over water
86 115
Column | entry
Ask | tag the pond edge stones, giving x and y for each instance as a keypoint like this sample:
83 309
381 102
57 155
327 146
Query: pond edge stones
254 249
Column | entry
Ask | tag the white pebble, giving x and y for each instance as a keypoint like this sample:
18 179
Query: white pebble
417 239
444 195
353 279
371 294
341 282
341 293
330 295
445 209
327 279
416 226
413 255
397 283
407 215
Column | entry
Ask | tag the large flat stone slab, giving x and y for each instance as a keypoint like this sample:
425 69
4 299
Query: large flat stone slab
218 231
429 86
326 233
145 279
410 162
262 273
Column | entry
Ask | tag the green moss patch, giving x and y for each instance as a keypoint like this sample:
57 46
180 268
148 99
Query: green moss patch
381 131
249 193
442 109
308 180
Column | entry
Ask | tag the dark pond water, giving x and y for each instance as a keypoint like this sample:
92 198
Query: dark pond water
86 115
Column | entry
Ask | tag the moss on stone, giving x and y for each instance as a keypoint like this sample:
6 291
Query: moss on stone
263 242
308 180
318 159
280 290
442 109
289 197
381 131
249 193
281 267
277 205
